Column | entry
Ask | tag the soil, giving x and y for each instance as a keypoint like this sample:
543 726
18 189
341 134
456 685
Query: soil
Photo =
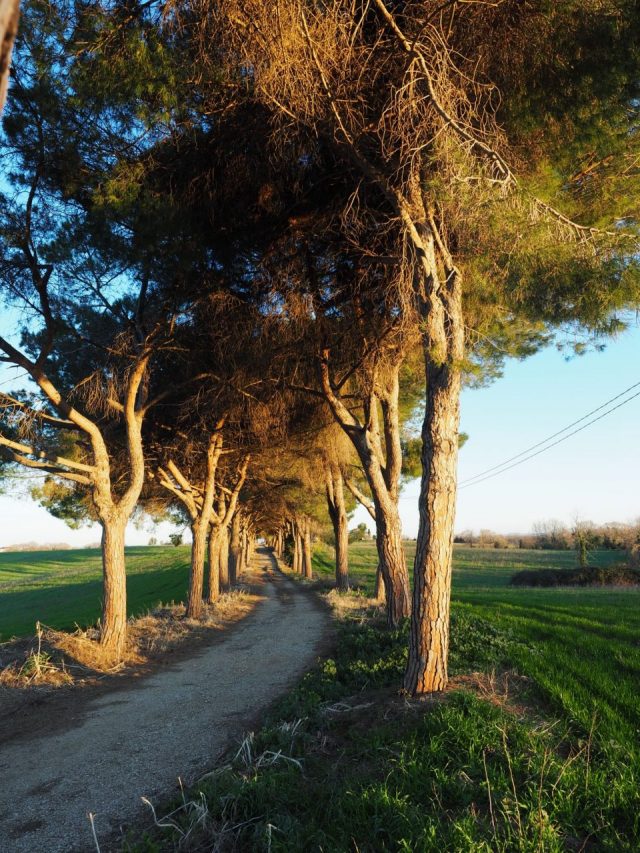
68 753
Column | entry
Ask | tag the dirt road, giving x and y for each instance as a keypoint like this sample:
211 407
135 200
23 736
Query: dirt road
137 741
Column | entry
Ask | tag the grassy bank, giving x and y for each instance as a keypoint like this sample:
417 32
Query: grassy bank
64 588
533 749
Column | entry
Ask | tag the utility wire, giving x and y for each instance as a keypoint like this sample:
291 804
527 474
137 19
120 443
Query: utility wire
15 378
502 470
550 437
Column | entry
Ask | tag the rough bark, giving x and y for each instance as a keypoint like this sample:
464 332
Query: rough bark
244 563
231 563
196 574
392 561
443 340
114 602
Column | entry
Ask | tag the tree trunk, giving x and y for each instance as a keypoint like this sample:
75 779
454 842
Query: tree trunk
196 576
244 563
379 594
223 559
296 553
9 14
215 543
392 562
338 516
341 533
306 551
382 467
248 548
235 568
114 604
429 637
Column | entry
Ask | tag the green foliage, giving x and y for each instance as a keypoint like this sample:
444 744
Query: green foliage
360 533
64 502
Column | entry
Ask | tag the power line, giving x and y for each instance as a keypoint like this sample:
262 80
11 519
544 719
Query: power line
481 474
15 378
502 470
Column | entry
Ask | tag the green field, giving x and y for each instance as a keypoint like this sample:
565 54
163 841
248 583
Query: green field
581 646
64 588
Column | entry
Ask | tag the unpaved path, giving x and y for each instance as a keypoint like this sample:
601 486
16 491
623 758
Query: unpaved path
136 742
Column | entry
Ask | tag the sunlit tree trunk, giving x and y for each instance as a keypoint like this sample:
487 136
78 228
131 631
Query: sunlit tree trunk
114 603
196 573
443 338
215 545
9 14
307 564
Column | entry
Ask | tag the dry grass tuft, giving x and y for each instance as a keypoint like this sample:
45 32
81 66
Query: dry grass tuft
32 662
56 658
353 605
506 689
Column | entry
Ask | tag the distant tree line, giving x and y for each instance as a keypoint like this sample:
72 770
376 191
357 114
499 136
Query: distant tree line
556 536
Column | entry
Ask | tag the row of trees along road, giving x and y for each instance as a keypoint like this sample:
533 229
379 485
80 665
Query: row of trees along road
249 242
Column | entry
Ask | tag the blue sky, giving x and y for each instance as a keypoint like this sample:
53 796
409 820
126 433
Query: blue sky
594 475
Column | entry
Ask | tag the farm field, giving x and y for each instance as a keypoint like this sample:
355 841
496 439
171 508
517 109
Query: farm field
580 645
64 588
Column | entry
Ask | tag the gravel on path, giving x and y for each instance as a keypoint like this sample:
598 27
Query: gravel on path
136 742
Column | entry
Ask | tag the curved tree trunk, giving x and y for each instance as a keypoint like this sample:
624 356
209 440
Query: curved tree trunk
114 603
196 575
382 464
